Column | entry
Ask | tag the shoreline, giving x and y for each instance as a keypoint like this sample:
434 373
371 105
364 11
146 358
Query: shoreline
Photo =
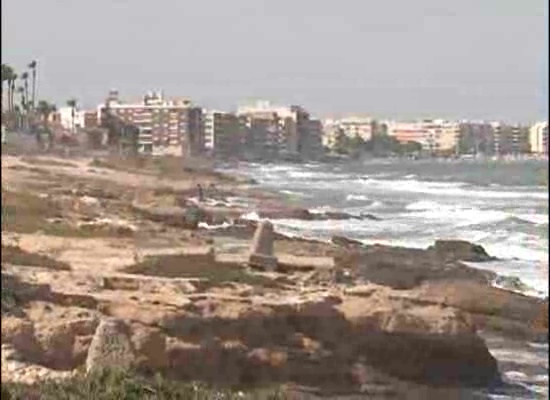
407 299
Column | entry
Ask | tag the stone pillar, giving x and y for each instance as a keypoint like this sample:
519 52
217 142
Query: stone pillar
261 251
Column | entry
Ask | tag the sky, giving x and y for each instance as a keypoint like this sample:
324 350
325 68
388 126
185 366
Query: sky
402 59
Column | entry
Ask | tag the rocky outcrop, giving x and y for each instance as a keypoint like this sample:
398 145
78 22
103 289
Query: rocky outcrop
403 268
460 250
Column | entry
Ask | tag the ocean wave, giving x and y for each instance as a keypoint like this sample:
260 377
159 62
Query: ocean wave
458 189
356 197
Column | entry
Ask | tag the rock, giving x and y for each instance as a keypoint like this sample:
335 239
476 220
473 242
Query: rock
512 283
460 250
261 250
345 242
402 268
21 335
110 347
65 345
150 348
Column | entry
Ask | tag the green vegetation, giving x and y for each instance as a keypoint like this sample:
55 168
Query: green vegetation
24 212
120 385
378 145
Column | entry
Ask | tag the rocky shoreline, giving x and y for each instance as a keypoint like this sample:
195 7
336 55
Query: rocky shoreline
337 318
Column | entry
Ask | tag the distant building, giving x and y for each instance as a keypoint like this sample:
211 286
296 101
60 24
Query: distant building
223 134
510 139
538 138
476 137
292 127
363 127
435 136
333 135
70 123
166 127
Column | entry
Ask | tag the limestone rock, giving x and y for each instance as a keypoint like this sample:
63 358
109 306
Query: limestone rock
21 335
111 347
150 348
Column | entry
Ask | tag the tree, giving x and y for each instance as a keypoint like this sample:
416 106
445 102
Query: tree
23 101
9 76
12 91
72 103
7 73
25 79
32 67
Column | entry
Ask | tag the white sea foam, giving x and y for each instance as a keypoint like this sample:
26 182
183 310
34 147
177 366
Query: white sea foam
356 197
252 216
457 189
537 219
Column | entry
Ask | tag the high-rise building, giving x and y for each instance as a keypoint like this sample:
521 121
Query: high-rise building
292 130
510 139
538 138
223 134
165 126
476 137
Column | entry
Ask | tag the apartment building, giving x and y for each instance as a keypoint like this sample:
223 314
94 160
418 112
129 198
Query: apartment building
538 138
223 133
476 137
510 139
355 126
261 135
165 127
435 136
71 120
293 127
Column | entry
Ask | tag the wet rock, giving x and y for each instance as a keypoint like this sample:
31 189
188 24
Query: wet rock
345 242
460 250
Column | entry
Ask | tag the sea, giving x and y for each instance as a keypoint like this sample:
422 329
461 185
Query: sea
499 204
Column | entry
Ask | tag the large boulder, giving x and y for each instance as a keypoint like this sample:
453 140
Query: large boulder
403 268
460 250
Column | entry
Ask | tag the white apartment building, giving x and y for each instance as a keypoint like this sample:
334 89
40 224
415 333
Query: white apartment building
166 126
354 126
538 138
66 118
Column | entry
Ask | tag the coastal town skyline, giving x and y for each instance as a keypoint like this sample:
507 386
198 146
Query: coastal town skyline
386 66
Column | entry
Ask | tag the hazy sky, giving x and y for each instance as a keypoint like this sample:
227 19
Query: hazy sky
386 58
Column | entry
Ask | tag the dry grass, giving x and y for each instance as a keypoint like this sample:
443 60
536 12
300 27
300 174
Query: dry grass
184 266
17 256
47 162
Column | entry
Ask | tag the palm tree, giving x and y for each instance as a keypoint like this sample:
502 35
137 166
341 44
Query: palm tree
32 67
23 101
25 79
45 109
12 91
7 73
72 103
